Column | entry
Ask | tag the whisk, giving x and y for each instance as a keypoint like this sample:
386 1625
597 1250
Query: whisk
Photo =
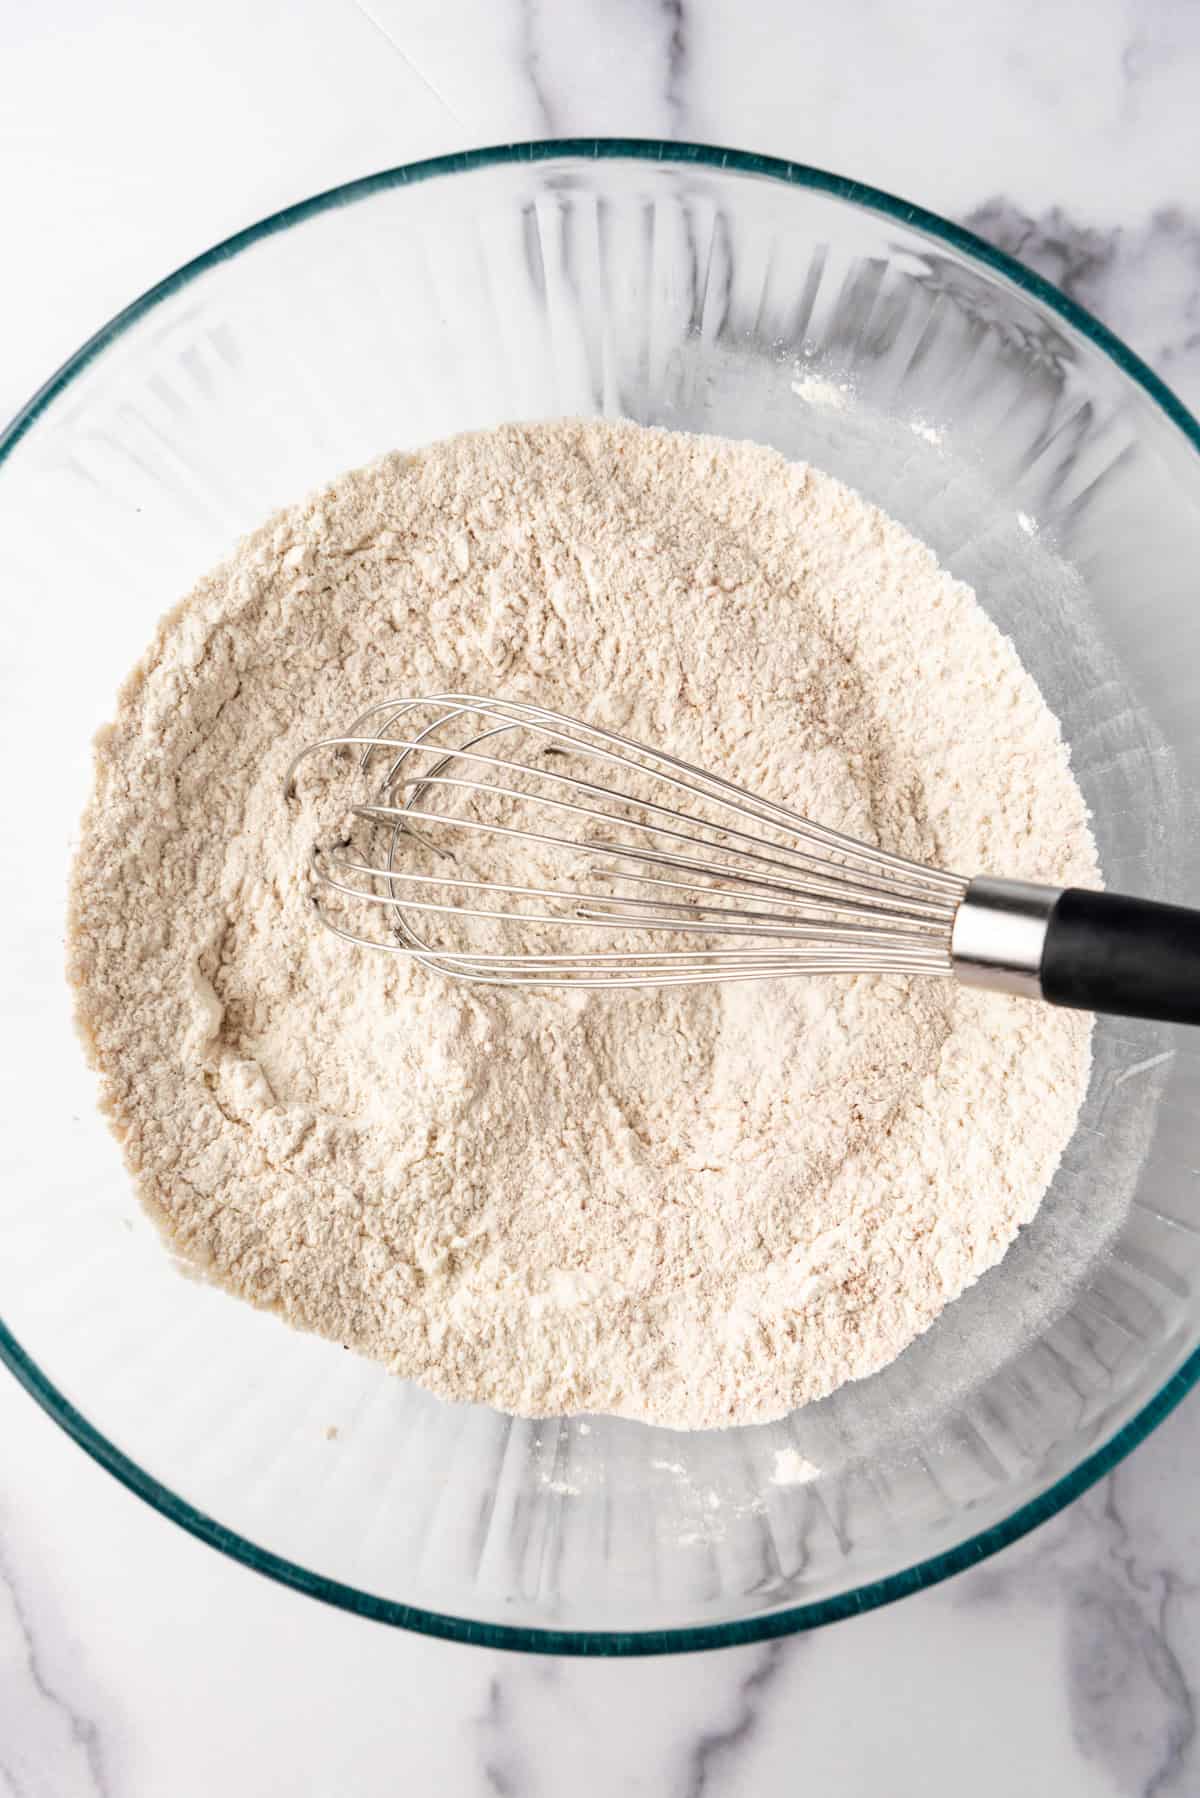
635 868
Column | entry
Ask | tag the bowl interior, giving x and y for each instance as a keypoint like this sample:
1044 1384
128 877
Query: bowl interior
750 301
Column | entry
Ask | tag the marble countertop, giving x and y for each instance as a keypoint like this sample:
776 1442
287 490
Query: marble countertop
135 1662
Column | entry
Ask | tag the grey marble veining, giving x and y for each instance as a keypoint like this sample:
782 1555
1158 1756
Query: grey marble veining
531 59
135 1662
1142 281
1129 1676
715 1750
410 63
52 1729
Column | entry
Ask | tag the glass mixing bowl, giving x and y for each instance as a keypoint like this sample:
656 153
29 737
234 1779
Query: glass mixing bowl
704 290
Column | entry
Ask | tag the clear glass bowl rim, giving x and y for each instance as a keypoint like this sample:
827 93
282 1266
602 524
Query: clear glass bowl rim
607 1642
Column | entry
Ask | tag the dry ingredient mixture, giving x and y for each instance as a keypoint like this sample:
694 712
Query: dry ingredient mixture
699 1206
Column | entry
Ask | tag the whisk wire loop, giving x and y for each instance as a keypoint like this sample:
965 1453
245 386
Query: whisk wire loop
654 849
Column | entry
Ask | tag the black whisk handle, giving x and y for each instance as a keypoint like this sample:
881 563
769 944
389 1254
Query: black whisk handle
1131 957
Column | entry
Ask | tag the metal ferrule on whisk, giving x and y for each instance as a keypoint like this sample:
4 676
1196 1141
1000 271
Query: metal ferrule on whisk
998 939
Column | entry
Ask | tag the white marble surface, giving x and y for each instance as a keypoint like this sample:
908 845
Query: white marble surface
134 1661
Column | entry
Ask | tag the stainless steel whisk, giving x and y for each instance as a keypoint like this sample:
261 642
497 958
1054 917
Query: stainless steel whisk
677 876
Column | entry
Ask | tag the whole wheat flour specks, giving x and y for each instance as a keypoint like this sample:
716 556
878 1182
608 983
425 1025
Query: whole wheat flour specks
698 1206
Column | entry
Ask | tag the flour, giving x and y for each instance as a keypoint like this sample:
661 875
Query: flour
791 1469
699 1206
